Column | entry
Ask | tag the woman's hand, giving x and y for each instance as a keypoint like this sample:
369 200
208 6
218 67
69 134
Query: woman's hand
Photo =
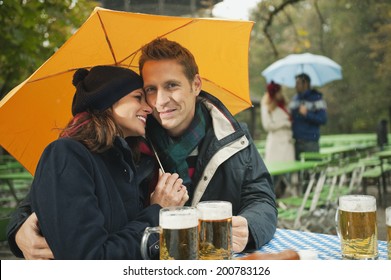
169 191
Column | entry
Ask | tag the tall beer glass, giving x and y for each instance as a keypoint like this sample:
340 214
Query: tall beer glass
215 230
178 229
388 225
357 227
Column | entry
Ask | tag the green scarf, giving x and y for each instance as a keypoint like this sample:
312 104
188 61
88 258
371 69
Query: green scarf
174 152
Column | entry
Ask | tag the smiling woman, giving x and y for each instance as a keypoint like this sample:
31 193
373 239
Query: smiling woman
94 169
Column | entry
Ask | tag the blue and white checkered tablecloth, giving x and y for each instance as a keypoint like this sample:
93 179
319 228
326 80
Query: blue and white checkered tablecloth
327 246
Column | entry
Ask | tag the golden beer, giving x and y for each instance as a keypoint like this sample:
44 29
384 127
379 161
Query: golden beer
179 244
388 226
357 227
215 230
178 231
215 239
358 235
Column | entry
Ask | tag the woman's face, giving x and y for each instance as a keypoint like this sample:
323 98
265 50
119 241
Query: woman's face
278 96
130 113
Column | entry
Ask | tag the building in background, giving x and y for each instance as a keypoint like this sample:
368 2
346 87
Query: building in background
163 7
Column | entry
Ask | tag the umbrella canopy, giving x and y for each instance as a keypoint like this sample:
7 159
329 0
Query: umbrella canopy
31 112
321 69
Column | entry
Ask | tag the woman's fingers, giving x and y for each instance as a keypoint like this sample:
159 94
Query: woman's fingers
185 198
170 191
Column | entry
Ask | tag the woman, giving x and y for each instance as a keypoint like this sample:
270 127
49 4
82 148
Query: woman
276 121
85 191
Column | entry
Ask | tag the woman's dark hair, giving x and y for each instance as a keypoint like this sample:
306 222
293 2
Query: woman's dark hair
95 130
304 77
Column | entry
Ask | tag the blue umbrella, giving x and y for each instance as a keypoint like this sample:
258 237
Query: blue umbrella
321 69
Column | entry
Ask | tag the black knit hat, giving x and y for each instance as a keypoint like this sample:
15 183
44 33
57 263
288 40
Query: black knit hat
102 86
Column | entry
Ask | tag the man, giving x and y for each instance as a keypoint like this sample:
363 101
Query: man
199 139
308 111
203 143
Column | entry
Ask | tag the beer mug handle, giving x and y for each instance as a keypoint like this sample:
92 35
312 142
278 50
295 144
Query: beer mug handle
337 223
144 241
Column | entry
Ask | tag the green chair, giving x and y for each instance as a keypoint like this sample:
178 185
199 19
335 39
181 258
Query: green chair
296 212
375 171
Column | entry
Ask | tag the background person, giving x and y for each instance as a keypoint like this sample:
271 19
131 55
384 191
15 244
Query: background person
308 110
85 191
382 134
276 121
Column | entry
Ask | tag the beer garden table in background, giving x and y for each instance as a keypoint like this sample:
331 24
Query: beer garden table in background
10 178
280 168
300 192
276 168
326 246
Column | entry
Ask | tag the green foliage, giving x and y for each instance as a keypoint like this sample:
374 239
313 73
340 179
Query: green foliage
355 34
31 31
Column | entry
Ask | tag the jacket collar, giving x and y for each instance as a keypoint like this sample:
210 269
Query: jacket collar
224 124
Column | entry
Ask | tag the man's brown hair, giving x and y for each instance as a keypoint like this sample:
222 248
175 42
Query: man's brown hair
164 49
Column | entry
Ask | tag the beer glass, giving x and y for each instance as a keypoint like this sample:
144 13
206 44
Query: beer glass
357 227
215 230
388 226
178 230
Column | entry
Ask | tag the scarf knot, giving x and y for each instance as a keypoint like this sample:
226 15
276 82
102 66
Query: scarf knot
173 152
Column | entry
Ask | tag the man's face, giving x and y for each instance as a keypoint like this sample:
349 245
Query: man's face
301 85
170 94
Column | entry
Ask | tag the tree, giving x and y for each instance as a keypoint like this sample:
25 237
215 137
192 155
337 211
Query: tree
31 31
356 34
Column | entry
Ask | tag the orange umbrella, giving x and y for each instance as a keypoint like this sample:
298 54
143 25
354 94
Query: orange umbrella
31 112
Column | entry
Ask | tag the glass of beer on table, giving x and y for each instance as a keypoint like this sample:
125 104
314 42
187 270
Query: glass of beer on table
388 226
215 230
178 230
357 227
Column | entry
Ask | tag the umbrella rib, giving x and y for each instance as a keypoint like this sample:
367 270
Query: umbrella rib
63 72
160 36
233 94
53 75
107 38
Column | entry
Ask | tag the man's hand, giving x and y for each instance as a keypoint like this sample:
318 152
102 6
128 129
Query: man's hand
239 233
303 110
32 244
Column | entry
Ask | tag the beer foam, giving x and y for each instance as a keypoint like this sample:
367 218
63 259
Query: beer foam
179 219
214 210
357 203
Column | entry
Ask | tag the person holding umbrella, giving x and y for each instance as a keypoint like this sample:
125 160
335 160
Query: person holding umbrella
86 192
197 137
308 111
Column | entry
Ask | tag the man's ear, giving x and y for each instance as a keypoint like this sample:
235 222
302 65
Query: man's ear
197 84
